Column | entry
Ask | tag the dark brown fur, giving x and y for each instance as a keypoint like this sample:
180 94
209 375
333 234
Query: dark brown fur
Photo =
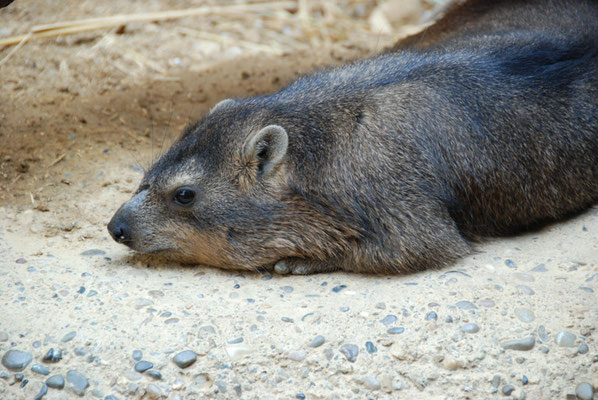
484 124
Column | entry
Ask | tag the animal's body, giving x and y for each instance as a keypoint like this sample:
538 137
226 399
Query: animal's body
485 124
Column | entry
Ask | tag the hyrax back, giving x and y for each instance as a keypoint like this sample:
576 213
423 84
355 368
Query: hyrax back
390 164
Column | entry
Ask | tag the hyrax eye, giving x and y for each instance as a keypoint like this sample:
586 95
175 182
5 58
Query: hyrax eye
184 196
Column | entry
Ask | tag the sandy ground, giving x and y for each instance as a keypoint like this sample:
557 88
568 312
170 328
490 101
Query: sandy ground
82 116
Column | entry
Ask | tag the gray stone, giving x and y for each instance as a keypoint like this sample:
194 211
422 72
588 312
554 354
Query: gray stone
137 354
93 252
16 360
372 383
389 319
350 351
583 348
524 344
369 346
185 358
584 391
154 374
317 341
55 382
154 391
42 392
431 316
524 314
542 333
508 389
3 337
77 382
53 356
470 328
69 336
565 339
397 330
298 355
40 369
142 366
466 305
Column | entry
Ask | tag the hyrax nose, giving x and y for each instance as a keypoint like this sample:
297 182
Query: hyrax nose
119 230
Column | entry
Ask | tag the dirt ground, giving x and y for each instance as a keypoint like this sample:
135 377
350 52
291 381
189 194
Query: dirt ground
81 116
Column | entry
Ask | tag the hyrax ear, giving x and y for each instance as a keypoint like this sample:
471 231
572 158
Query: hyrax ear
222 104
267 147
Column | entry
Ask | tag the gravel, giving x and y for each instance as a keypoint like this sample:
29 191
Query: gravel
565 339
524 344
55 381
584 391
142 366
40 369
470 328
350 351
53 356
77 382
16 360
42 392
185 358
317 341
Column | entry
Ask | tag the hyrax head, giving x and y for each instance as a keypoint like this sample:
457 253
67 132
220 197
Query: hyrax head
216 197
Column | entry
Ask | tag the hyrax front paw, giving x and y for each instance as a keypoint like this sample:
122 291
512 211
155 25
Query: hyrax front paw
296 267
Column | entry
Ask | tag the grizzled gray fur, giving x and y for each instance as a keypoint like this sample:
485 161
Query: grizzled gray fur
485 124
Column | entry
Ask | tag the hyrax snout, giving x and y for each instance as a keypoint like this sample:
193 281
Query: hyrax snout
391 164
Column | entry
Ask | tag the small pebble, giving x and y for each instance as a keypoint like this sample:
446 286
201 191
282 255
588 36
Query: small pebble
53 356
469 328
584 391
524 380
431 316
185 358
300 396
372 383
97 393
317 341
583 348
40 369
466 305
3 337
539 268
137 354
524 314
77 382
287 289
154 374
510 263
369 346
350 351
542 333
298 355
396 330
565 339
389 319
154 391
55 381
142 366
80 351
42 392
236 340
287 319
381 306
524 344
16 360
508 389
93 252
338 288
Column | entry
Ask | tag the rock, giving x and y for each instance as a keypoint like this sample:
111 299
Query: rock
338 288
40 369
389 319
470 328
583 348
142 366
397 330
53 356
466 305
510 263
298 355
237 351
584 391
519 344
77 382
372 383
317 341
524 314
137 354
154 391
431 316
93 252
542 333
565 339
350 351
185 358
55 382
508 389
154 374
369 346
42 392
16 360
